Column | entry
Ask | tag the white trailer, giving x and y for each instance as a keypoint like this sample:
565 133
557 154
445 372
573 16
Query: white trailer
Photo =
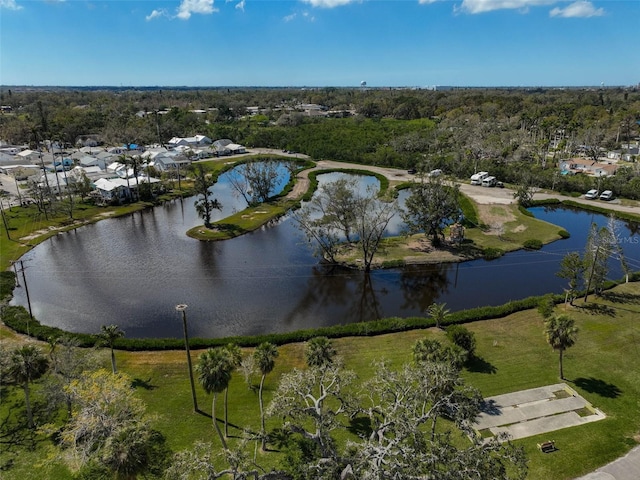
477 178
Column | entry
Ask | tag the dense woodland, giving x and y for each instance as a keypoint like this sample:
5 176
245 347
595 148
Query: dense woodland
459 131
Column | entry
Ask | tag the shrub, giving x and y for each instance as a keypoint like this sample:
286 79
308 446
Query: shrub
524 211
564 234
463 338
546 305
533 244
7 284
469 211
492 253
605 211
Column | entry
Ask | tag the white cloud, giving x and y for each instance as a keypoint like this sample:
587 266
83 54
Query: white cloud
290 18
329 3
188 7
10 5
157 13
240 5
482 6
579 9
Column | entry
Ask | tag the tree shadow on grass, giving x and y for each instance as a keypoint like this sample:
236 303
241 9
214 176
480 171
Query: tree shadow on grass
280 438
621 297
146 384
600 387
597 309
480 365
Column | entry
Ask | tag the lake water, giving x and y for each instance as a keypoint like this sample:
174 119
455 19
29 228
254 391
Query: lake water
132 271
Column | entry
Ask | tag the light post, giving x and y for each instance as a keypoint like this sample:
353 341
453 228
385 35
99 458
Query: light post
182 307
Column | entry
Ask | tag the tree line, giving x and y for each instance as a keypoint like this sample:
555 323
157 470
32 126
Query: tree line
467 128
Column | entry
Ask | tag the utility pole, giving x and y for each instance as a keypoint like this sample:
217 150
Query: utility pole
4 220
182 308
26 290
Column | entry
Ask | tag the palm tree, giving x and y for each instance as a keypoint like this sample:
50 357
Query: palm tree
214 373
319 352
26 365
235 359
108 336
265 355
205 205
561 334
439 312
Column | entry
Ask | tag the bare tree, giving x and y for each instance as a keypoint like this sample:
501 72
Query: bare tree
255 181
339 214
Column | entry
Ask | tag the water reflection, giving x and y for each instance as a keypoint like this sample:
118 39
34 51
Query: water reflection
132 271
422 285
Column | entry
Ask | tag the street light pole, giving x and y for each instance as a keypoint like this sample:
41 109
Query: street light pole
182 307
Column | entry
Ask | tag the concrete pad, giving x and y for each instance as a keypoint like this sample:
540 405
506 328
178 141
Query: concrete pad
534 411
527 396
538 426
544 408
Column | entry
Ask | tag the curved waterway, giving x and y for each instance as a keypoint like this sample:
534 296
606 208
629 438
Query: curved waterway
132 272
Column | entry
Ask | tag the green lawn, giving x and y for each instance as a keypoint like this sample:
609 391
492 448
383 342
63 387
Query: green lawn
512 355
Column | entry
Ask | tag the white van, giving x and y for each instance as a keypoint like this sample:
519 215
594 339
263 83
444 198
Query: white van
489 182
477 178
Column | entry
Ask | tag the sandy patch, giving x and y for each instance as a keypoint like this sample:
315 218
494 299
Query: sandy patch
495 217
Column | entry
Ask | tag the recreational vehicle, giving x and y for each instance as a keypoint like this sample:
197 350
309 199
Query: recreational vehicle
489 182
477 178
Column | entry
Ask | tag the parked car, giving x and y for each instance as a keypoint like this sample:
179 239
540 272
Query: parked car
606 195
591 194
412 171
500 184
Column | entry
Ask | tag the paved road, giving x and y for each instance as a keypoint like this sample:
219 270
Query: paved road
625 468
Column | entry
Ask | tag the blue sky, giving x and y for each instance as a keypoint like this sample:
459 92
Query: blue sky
414 43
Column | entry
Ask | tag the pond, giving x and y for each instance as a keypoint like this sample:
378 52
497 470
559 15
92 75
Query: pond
132 271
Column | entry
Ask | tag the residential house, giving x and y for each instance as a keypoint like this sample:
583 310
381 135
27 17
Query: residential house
110 191
29 156
197 141
225 146
89 140
87 161
120 189
57 182
587 167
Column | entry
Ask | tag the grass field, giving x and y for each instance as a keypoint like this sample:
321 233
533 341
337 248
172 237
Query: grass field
512 355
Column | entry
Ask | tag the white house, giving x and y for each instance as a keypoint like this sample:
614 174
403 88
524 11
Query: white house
29 156
87 161
587 167
224 146
197 141
110 191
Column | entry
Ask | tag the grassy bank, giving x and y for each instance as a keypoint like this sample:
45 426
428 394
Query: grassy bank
512 355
